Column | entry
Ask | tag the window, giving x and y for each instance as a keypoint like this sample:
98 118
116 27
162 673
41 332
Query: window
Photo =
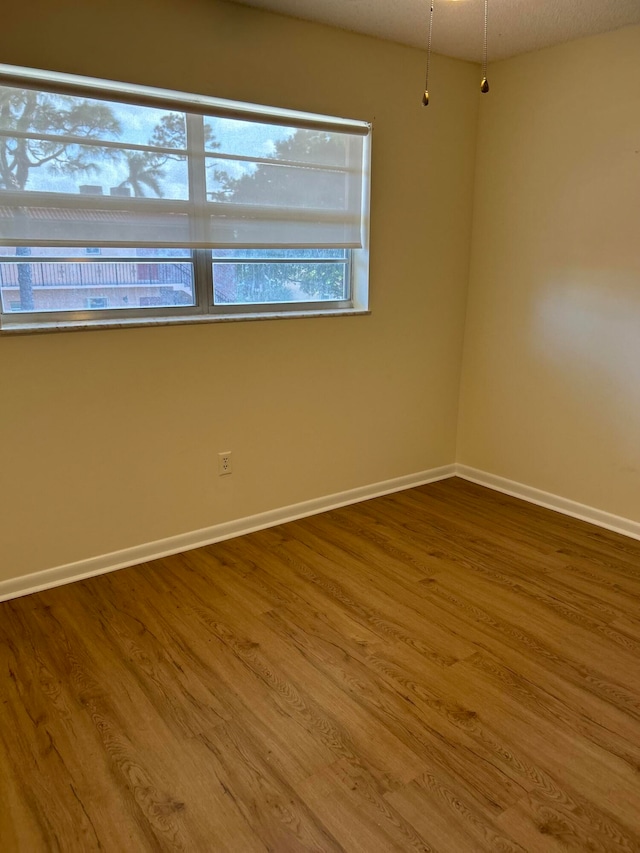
128 204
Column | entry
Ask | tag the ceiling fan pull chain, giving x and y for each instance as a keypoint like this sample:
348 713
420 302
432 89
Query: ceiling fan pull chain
425 97
484 85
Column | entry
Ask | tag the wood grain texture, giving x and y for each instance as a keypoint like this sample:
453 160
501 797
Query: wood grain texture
444 669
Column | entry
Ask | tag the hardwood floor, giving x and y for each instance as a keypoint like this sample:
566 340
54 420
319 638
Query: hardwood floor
443 669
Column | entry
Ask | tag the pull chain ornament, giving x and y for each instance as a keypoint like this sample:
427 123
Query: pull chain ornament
425 97
484 85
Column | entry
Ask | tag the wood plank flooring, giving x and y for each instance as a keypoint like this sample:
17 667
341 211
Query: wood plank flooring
444 669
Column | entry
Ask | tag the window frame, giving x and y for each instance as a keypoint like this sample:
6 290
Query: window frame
290 306
205 308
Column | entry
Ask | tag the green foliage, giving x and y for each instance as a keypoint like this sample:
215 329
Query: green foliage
266 180
145 170
304 282
23 110
287 282
171 132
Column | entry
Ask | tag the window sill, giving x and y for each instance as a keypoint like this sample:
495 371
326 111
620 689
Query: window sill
90 325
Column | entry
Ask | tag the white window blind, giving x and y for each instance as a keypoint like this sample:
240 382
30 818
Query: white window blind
91 163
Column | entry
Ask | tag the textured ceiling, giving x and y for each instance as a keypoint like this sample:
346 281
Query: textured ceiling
515 26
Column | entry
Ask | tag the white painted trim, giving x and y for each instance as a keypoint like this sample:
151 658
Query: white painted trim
104 563
536 496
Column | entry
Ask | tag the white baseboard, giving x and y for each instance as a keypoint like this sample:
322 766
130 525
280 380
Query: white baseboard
536 496
38 581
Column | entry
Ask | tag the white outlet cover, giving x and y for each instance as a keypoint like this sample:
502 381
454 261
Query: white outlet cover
224 463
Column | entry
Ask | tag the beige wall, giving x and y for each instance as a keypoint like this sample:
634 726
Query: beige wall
110 438
551 382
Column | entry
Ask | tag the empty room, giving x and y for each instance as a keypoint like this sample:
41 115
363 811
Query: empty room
320 482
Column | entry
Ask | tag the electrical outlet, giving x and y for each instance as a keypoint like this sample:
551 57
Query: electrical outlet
224 463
